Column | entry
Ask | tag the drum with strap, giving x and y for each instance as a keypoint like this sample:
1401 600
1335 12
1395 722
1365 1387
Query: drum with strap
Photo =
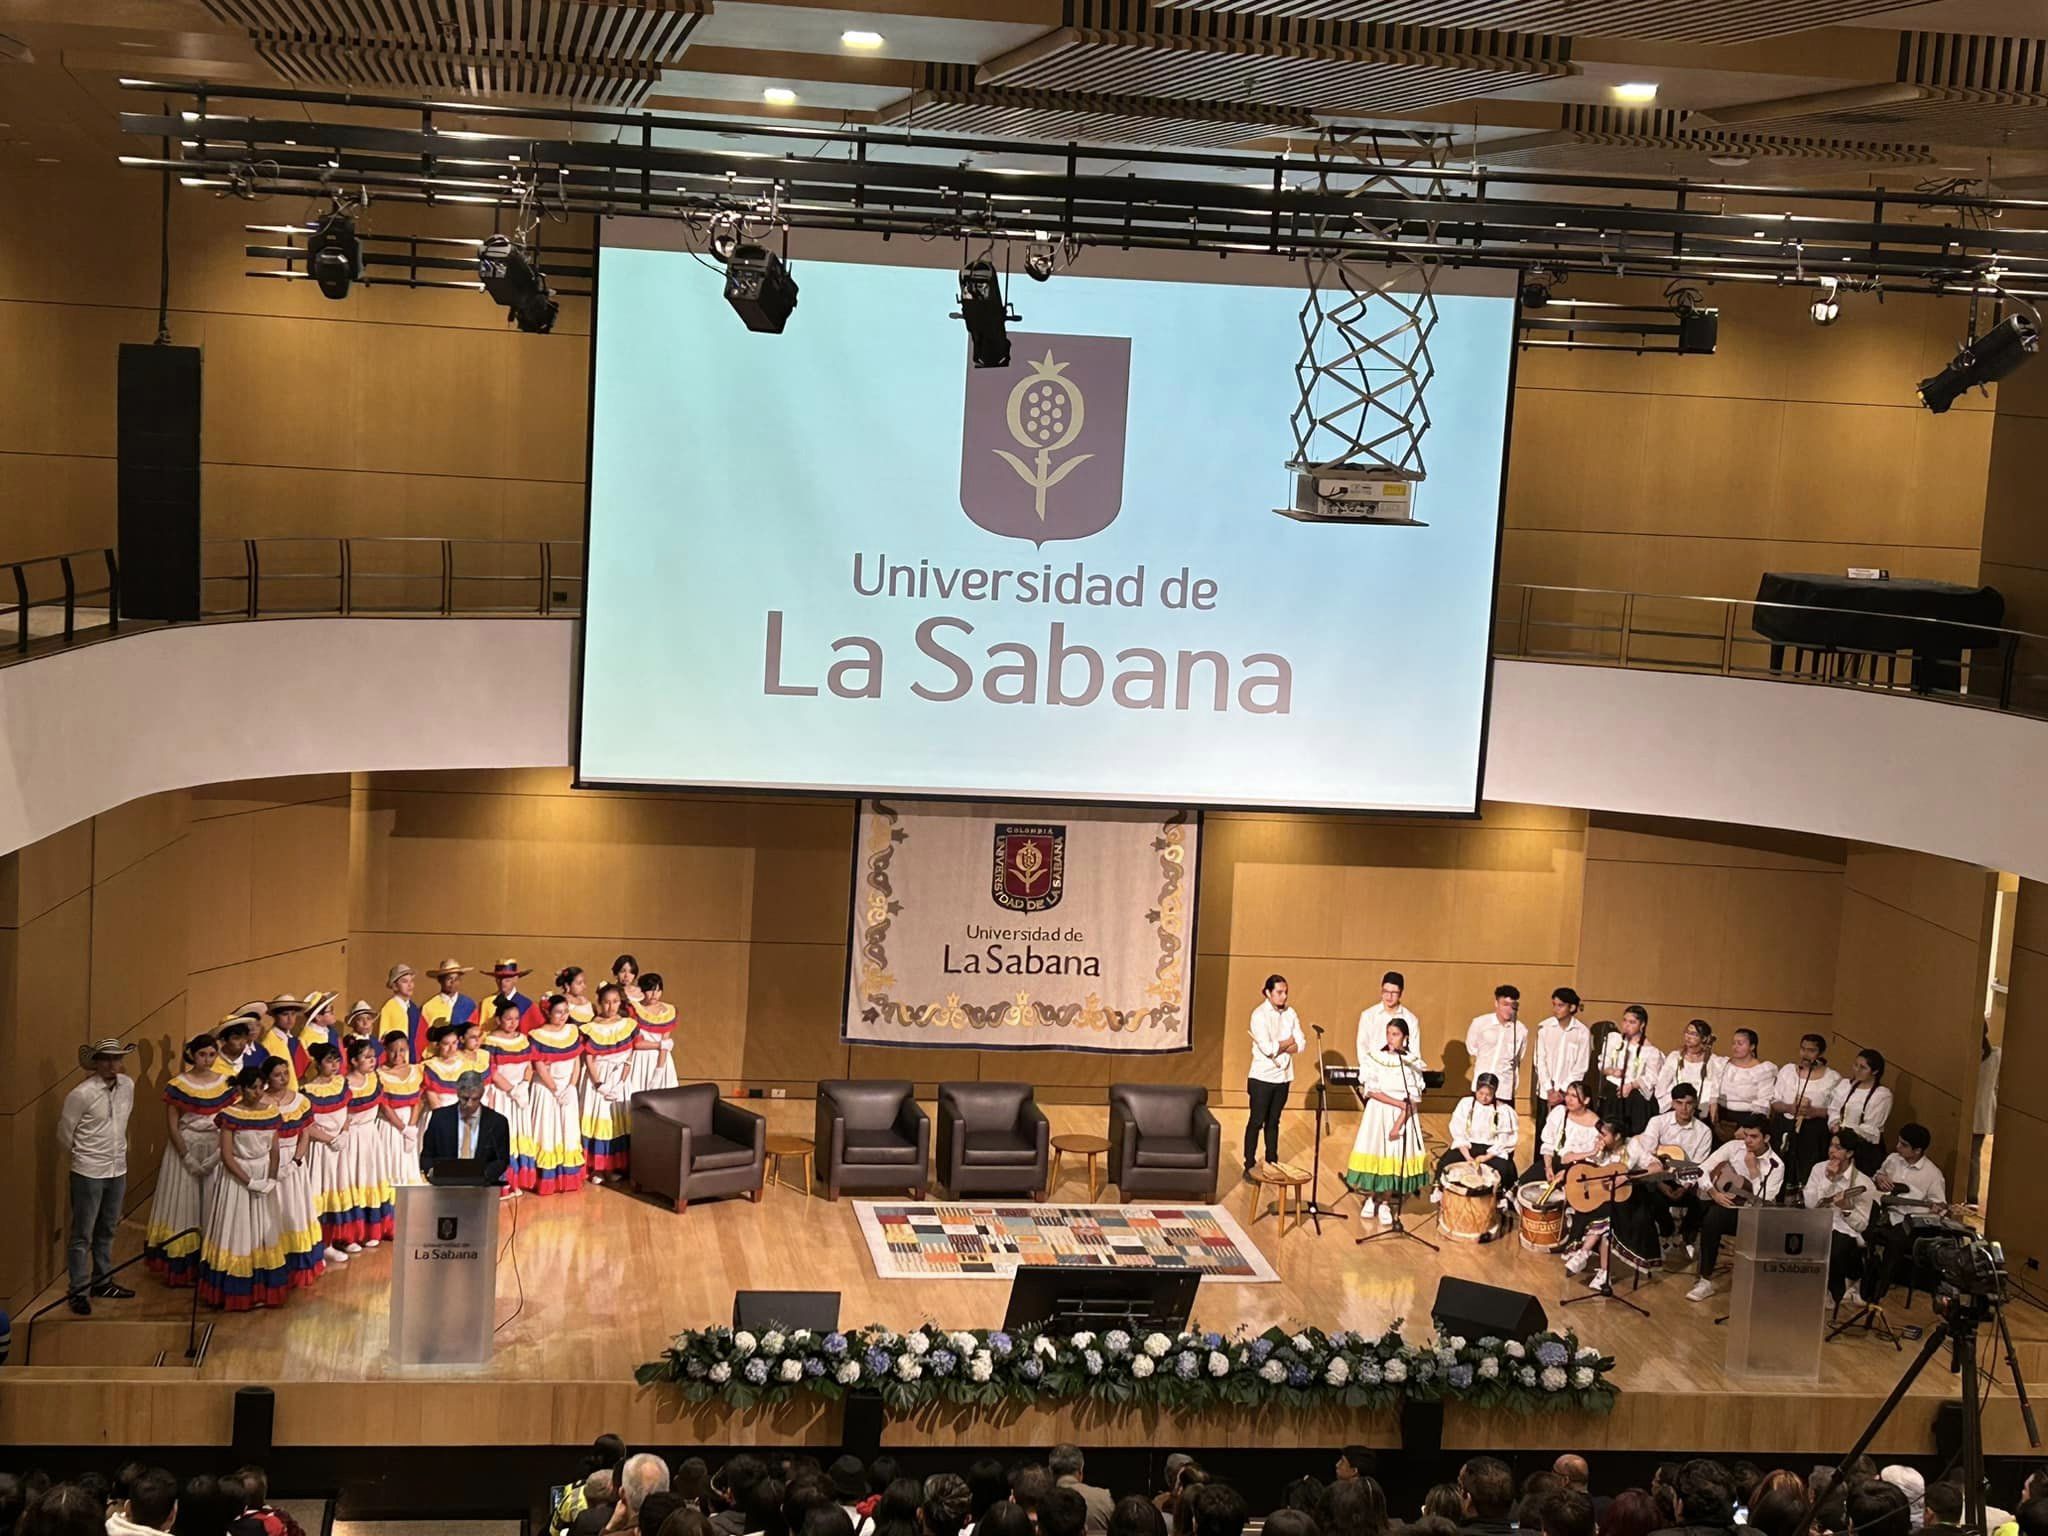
1541 1210
1471 1202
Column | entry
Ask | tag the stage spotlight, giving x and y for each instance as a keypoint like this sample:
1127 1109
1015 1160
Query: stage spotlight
1984 361
334 255
1827 309
1536 285
511 279
1038 264
759 288
986 313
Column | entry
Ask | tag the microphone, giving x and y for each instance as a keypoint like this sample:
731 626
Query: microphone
1317 1028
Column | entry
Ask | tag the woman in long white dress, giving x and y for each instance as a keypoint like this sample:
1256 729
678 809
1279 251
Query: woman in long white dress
336 1203
442 1069
632 985
607 1123
553 1110
507 1081
654 1042
241 1253
362 1170
574 986
191 1158
1388 1159
398 1130
298 1212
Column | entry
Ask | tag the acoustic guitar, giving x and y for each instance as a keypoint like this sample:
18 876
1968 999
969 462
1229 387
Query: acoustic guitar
1589 1186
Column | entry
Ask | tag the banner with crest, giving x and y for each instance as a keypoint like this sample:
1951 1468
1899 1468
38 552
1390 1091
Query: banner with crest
1021 927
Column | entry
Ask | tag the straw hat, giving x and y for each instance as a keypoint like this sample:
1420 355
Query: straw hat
362 1010
505 968
107 1046
449 968
284 1002
398 973
316 1000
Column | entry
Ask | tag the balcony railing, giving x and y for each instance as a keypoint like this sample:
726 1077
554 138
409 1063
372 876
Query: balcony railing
47 604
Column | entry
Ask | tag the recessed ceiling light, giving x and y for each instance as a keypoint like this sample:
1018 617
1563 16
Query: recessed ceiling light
47 160
1728 162
860 39
779 96
126 43
1636 90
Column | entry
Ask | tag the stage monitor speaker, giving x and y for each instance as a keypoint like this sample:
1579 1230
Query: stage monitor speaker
157 484
1475 1310
255 1408
757 1311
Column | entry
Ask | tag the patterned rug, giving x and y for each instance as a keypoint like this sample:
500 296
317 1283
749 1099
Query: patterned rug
990 1240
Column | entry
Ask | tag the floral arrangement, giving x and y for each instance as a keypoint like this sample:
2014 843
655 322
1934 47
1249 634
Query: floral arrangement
1301 1369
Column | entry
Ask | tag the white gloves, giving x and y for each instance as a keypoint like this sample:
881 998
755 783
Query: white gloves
262 1186
412 1138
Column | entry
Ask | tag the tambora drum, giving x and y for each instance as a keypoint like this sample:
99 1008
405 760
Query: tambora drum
1542 1219
1471 1202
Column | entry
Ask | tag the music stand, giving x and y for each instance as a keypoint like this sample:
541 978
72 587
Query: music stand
1409 1127
1613 1181
1315 1210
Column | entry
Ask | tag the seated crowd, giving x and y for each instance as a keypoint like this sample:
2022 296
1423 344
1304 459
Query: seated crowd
796 1494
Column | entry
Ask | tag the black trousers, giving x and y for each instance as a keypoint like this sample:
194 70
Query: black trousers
1637 1109
1503 1165
1888 1245
1804 1146
1268 1099
1716 1222
1845 1263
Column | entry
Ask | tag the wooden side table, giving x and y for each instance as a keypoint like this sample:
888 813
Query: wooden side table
1090 1147
1287 1182
779 1147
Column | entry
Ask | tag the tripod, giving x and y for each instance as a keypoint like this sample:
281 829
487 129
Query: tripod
1613 1182
1409 1128
1315 1210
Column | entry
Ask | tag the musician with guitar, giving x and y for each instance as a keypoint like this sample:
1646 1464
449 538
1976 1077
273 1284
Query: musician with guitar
1840 1187
1677 1134
1616 1195
1908 1186
1741 1172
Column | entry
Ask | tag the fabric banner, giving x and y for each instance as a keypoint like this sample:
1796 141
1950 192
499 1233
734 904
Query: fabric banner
1021 927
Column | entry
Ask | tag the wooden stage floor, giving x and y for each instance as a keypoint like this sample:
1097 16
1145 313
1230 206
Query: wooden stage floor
607 1277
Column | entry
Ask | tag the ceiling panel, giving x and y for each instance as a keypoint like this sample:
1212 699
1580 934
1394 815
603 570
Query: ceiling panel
1649 142
1695 21
949 101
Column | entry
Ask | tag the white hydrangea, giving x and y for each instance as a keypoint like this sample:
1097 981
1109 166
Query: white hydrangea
1489 1368
721 1373
1582 1376
1142 1366
1339 1371
772 1342
1553 1378
791 1369
1513 1349
886 1339
1044 1346
801 1337
908 1368
1587 1356
1083 1340
1273 1371
1157 1345
1397 1369
1219 1363
980 1366
1526 1375
1456 1341
1116 1341
963 1343
744 1343
848 1373
917 1344
1303 1343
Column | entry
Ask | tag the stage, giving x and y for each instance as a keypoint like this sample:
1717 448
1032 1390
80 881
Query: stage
606 1277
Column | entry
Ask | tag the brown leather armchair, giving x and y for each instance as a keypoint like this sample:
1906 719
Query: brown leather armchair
1163 1141
993 1139
689 1144
872 1136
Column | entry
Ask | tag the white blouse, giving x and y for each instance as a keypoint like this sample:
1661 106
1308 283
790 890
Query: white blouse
1861 1109
1624 1062
1746 1089
1494 1125
1564 1137
1705 1077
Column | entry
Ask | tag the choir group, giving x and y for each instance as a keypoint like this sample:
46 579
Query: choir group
289 1133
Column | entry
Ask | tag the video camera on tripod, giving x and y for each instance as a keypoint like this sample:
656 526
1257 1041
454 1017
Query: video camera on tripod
1966 1267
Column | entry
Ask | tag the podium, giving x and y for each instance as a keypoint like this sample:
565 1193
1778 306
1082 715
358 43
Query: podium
1777 1313
444 1275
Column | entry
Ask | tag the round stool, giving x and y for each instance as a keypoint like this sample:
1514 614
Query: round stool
779 1147
1287 1182
1090 1147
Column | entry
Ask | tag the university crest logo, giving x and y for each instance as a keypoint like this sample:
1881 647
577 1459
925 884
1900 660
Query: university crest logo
445 1228
1030 867
1042 441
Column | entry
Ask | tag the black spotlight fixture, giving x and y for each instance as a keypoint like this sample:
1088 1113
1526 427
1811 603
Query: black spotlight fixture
334 254
1536 285
1984 361
1039 262
986 313
1699 329
759 288
512 279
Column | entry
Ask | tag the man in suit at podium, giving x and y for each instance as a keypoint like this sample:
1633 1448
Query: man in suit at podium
467 1129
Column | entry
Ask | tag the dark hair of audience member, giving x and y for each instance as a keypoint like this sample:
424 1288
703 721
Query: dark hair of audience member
1305 1494
2033 1517
1192 1480
1944 1501
762 1505
1291 1522
1631 1513
205 1508
987 1483
13 1499
655 1510
95 1484
124 1479
1568 1512
152 1495
1004 1519
1064 1513
1134 1516
1778 1508
686 1521
1220 1510
881 1473
826 1519
1354 1507
736 1474
1876 1508
1430 1525
66 1510
1488 1486
1029 1484
1744 1474
606 1453
1544 1482
691 1482
1444 1501
943 1511
1705 1496
895 1512
1666 1476
803 1467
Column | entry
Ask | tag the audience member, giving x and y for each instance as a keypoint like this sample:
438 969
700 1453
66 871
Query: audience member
1912 1485
150 1505
1568 1512
1355 1461
1134 1516
849 1483
1444 1502
800 1498
1064 1513
1219 1510
1291 1522
1703 1499
600 1498
692 1484
13 1498
895 1512
1029 1484
655 1510
203 1508
1777 1508
1005 1519
2032 1519
1430 1525
68 1509
1182 1516
946 1505
641 1475
1877 1508
1488 1490
686 1521
1632 1512
1305 1494
826 1519
1354 1508
1537 1487
1575 1472
762 1508
1942 1505
1068 1472
730 1485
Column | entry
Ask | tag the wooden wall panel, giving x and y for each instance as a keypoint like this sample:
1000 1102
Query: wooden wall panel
2018 1212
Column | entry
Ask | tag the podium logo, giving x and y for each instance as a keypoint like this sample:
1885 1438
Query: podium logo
1042 445
1795 1244
445 1228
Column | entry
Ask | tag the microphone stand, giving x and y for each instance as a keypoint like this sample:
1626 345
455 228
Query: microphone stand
1315 1211
1613 1181
1409 1127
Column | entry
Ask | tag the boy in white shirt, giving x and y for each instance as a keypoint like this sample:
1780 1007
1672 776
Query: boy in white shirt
1564 1051
1372 1024
1276 1041
1498 1043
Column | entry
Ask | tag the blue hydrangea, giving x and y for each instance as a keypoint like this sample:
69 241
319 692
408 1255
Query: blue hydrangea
942 1362
1212 1341
1550 1352
1340 1340
1031 1370
999 1344
1297 1376
814 1367
879 1363
1186 1363
835 1344
694 1368
756 1370
1461 1376
1260 1348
